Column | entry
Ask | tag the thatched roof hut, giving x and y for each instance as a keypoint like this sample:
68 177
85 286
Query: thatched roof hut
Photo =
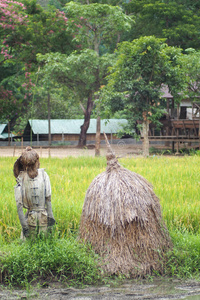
122 220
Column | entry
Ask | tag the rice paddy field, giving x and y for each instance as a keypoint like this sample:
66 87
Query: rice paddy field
176 182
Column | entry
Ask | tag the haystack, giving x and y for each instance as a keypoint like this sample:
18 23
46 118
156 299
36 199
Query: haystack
122 220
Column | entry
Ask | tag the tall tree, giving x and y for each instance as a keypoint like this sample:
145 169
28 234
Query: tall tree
82 73
95 26
25 30
142 66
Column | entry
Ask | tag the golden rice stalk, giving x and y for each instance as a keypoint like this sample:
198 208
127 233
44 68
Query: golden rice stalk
122 219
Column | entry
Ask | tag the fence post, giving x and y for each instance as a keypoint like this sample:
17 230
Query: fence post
37 139
40 151
14 150
22 143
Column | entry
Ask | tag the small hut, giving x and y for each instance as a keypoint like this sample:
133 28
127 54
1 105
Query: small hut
122 220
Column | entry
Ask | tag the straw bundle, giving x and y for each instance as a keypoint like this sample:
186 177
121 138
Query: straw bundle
122 220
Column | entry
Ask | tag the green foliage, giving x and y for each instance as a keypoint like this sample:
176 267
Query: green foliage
177 21
78 75
191 64
153 150
183 261
96 24
44 257
75 71
93 26
142 67
46 32
34 30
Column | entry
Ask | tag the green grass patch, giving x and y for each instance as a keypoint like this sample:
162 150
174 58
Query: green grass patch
49 259
184 260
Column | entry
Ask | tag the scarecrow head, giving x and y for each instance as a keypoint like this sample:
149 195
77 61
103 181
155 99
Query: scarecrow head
28 161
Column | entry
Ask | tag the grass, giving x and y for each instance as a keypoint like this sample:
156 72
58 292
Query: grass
184 260
176 182
47 259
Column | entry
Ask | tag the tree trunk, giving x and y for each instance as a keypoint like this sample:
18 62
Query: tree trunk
98 137
8 133
145 130
49 120
86 124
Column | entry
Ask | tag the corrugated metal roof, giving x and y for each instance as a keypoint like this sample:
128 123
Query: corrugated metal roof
72 126
2 127
6 135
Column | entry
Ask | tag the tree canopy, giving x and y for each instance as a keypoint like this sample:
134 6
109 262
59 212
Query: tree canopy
142 67
97 26
177 21
25 30
59 27
82 72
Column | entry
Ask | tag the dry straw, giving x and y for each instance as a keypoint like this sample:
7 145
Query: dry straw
122 220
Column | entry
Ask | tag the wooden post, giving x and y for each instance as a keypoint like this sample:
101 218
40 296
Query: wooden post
199 129
8 133
177 144
40 151
49 119
172 109
192 110
145 133
38 139
14 150
178 111
167 109
177 130
177 148
22 140
98 136
173 147
167 143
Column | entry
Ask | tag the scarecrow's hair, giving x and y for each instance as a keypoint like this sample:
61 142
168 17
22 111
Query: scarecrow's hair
28 161
18 167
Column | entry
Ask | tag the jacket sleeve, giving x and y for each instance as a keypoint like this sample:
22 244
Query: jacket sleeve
51 220
19 202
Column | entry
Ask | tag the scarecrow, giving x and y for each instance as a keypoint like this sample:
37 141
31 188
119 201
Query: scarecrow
122 220
32 192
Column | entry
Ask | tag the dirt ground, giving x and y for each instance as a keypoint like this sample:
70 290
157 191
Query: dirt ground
120 149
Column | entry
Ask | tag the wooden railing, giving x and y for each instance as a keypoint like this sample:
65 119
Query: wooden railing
188 129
